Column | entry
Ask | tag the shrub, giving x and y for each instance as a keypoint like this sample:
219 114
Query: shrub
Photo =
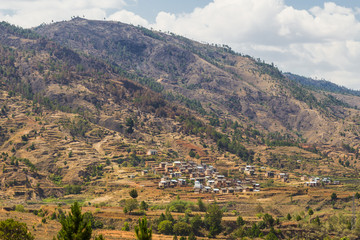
19 208
165 227
182 229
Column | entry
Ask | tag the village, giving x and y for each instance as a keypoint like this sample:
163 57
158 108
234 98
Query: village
204 178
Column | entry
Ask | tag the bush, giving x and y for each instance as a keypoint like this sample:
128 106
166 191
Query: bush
131 204
196 223
19 208
72 189
126 227
240 221
165 227
133 193
182 229
179 206
12 230
144 206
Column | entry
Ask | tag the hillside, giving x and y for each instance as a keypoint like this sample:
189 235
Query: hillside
90 110
70 115
228 85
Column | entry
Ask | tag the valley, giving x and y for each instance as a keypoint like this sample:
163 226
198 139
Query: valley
91 110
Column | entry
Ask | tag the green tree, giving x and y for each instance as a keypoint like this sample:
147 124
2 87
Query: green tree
131 204
126 227
182 229
142 231
75 226
271 236
333 197
192 154
192 236
144 206
310 212
201 204
213 219
240 221
268 220
168 216
288 217
130 125
316 220
196 223
165 227
14 230
88 216
133 193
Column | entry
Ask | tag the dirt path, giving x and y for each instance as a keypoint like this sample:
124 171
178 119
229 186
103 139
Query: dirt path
98 146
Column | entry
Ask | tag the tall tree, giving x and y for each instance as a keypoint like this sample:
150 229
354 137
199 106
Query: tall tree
14 230
133 193
213 219
201 204
142 231
75 226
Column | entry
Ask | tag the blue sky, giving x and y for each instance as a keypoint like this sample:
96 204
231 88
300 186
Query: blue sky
149 9
314 38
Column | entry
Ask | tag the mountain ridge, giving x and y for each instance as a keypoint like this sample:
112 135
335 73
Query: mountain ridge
233 85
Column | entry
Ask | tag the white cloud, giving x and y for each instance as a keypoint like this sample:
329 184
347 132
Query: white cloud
322 41
128 17
30 13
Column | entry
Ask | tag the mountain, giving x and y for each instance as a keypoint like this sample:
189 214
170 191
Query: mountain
321 85
228 85
63 111
82 99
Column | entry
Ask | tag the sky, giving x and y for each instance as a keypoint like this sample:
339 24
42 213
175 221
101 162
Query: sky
313 38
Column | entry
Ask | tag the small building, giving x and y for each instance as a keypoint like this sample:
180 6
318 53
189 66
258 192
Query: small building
304 178
200 169
144 172
223 191
312 184
177 164
210 183
151 152
162 164
216 190
181 182
238 189
198 185
326 180
169 168
230 190
283 175
249 170
269 174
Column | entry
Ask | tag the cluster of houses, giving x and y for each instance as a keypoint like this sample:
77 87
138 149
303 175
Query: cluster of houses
250 171
203 177
317 181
